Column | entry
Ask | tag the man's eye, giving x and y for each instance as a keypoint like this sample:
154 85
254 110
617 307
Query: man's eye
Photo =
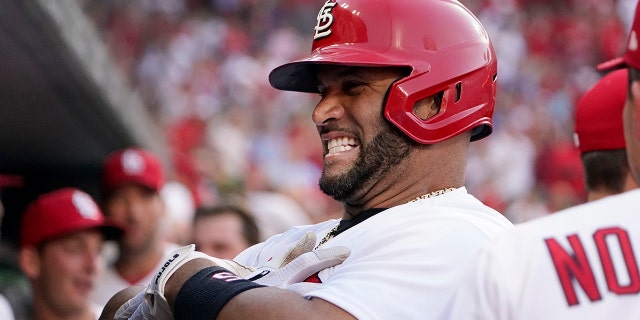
322 90
352 88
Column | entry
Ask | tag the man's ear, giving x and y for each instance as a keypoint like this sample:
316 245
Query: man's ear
425 108
29 261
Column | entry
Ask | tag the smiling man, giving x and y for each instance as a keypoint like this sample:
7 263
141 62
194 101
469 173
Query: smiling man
404 86
62 234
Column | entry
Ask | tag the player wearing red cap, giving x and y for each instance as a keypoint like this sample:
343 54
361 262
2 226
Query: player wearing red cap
61 237
404 87
579 263
132 180
599 137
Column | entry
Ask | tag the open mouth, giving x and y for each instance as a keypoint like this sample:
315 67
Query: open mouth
340 144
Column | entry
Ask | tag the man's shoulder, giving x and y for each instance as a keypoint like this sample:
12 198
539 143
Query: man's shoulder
555 259
612 210
463 209
617 211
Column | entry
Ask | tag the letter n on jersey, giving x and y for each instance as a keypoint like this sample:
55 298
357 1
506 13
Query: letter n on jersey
574 268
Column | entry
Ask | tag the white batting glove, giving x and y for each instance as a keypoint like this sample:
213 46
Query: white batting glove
291 275
304 245
299 263
127 310
151 303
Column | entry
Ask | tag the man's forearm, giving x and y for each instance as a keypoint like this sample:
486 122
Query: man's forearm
275 303
256 303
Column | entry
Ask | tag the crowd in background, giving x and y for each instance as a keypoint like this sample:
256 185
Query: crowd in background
201 66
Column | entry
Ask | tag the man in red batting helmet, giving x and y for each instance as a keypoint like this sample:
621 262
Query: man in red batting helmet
448 53
404 87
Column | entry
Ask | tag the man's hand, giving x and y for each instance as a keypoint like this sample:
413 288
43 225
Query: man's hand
151 303
299 263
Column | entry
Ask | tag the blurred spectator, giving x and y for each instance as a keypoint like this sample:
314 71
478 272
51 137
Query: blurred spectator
132 180
6 312
224 231
15 288
186 138
558 170
61 238
499 175
275 212
600 138
180 207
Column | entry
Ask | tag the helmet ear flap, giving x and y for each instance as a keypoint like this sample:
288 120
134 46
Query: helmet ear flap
466 104
428 107
404 107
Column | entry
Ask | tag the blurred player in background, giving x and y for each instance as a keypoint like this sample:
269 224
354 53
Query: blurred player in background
132 180
61 238
223 231
600 137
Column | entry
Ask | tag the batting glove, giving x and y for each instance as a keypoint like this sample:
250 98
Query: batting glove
151 303
287 272
299 263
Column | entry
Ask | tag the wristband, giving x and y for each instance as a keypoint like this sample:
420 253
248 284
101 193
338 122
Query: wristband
204 294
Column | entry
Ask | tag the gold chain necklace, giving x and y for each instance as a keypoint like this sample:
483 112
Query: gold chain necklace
334 231
432 194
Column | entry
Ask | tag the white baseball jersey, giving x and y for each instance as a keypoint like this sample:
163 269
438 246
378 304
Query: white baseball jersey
6 312
406 262
579 263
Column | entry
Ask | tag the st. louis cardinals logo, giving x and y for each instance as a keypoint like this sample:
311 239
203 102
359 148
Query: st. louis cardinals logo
325 20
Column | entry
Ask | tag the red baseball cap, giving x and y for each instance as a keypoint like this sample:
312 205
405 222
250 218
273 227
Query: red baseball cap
631 57
133 165
598 116
61 212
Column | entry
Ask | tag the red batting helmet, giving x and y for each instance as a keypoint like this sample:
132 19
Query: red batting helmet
444 44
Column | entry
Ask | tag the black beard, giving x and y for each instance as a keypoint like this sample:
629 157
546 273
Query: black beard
387 149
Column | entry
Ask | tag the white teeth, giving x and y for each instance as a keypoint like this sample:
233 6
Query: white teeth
341 144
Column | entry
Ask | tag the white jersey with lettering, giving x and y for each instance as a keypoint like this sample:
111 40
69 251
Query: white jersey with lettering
579 263
406 262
